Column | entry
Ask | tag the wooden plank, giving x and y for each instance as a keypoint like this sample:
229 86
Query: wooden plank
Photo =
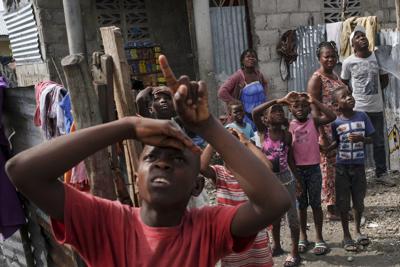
113 46
86 112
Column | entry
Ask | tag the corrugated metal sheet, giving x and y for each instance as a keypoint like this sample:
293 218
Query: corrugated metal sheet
229 35
391 98
23 34
308 38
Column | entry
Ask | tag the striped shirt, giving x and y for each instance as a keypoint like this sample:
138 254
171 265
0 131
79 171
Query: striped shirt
229 193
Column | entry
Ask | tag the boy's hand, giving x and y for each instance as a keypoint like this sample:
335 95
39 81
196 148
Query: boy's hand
161 133
190 98
355 138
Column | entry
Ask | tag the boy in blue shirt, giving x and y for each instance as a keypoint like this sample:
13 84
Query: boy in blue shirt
351 131
236 112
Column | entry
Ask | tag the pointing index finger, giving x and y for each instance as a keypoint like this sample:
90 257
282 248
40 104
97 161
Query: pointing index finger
169 75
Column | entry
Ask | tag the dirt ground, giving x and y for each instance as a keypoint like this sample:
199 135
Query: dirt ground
382 225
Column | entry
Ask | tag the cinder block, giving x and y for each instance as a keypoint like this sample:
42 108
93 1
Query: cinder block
268 37
264 53
299 19
310 5
49 4
260 22
270 69
278 21
287 5
318 18
264 6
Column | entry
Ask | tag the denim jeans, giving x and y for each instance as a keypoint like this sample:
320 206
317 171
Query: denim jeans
378 142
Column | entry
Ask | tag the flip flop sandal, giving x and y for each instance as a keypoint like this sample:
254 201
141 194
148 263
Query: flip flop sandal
349 245
303 246
277 252
363 240
320 249
292 261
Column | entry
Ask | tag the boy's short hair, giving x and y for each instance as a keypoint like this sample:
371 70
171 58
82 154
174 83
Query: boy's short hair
234 103
336 92
161 90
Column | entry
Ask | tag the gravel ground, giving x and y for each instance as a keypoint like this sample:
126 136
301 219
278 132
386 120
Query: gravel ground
382 225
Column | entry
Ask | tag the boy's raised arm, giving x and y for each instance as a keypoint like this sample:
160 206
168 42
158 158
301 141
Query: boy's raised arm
35 171
268 199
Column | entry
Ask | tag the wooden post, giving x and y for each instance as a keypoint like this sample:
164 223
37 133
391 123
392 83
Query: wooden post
86 113
113 46
397 14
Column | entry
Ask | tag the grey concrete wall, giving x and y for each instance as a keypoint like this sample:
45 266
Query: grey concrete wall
168 21
271 18
53 39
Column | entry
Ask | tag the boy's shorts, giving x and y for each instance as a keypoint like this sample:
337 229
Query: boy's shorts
289 182
311 185
351 184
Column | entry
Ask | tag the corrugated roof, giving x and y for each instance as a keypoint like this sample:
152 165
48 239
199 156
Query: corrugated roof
3 27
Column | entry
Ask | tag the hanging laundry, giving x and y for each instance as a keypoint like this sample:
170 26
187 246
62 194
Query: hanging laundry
65 105
49 115
11 212
333 33
371 27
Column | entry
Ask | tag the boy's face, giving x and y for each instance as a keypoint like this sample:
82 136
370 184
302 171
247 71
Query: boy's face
237 113
345 101
163 107
167 176
300 109
360 41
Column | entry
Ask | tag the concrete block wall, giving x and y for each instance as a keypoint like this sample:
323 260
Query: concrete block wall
53 39
271 19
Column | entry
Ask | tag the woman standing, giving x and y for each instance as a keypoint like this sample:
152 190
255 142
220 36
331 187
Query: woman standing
321 85
247 85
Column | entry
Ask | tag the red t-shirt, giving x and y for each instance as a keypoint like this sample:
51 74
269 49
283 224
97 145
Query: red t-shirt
107 233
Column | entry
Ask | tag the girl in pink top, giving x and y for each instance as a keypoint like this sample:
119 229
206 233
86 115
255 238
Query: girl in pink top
304 129
277 146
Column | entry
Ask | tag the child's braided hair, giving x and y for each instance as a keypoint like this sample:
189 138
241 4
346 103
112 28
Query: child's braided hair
329 45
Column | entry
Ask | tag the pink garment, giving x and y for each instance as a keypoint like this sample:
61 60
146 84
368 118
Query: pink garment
230 89
305 142
39 87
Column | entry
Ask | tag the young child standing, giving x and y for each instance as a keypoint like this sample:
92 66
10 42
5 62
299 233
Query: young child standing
304 129
236 112
230 193
162 232
276 144
351 131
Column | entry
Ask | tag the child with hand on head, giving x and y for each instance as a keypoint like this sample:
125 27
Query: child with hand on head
236 112
162 232
306 154
230 193
351 131
276 144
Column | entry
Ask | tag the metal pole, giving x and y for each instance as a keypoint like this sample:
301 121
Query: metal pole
397 14
73 22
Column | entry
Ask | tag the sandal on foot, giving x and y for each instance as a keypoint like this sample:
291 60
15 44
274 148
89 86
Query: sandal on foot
292 261
277 252
349 245
363 240
320 248
303 246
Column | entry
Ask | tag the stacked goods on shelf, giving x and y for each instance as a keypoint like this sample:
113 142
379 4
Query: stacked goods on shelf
143 59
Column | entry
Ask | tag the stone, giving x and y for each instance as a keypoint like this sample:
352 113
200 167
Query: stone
287 5
264 53
299 19
260 22
350 259
270 37
270 69
278 21
311 5
264 7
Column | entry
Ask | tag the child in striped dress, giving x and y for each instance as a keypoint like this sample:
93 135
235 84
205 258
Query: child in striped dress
230 193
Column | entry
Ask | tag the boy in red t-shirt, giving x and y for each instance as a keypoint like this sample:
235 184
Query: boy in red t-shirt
161 232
